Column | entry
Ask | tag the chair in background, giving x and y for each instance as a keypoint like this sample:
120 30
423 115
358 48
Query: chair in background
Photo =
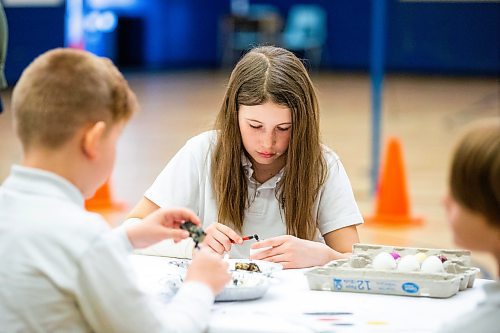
305 32
258 25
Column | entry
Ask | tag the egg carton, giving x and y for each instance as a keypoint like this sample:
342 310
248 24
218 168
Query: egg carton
356 274
462 257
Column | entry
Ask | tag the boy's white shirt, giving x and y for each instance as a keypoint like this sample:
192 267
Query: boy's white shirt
484 318
63 270
185 182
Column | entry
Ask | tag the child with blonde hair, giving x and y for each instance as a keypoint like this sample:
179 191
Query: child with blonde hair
62 268
264 171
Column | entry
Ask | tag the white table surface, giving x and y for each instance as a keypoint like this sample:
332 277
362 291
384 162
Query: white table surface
282 308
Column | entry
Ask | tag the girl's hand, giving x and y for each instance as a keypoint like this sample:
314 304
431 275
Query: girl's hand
293 252
220 237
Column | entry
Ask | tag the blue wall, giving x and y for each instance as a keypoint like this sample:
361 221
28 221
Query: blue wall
32 31
178 33
184 33
421 37
444 37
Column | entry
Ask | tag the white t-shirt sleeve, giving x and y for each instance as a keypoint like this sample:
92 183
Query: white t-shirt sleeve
111 301
179 182
337 205
178 185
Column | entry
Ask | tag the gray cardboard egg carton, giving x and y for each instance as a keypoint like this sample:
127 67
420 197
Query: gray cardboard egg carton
356 274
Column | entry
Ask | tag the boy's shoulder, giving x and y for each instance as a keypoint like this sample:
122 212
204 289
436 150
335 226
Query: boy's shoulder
41 210
71 225
87 223
60 230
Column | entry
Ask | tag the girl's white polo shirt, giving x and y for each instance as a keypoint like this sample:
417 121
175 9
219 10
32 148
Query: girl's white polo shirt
185 182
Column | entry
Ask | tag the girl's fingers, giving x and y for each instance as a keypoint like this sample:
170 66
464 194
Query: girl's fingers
214 245
223 240
229 233
274 242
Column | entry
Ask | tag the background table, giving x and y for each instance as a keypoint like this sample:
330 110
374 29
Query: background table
283 306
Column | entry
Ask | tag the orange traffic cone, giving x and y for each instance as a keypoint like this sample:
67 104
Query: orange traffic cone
102 201
392 202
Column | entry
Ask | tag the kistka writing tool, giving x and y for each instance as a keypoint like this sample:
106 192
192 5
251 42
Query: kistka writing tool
245 238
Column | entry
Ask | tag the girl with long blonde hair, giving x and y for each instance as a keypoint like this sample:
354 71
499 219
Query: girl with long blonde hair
264 171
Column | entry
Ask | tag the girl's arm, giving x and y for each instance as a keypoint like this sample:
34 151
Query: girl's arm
143 209
341 240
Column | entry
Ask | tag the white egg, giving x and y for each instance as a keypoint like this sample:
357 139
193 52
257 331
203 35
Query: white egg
408 264
384 260
432 265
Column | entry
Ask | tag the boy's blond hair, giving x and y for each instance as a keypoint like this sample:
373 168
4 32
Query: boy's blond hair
63 90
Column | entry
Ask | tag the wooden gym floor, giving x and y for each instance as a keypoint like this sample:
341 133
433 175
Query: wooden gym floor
426 113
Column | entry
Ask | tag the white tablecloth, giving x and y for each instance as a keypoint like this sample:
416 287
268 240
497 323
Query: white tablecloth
283 307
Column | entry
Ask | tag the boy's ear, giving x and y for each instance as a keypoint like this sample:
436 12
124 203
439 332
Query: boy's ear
92 139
